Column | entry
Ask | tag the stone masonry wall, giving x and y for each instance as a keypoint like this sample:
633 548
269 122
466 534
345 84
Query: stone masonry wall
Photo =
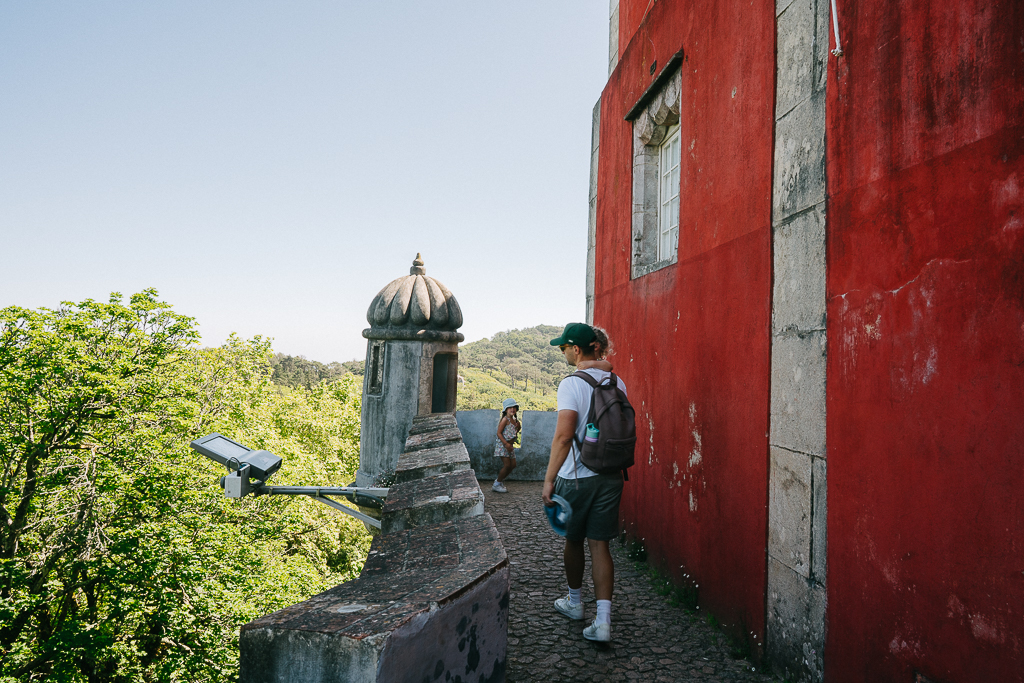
432 600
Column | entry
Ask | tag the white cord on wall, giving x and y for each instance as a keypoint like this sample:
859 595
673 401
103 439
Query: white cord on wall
838 52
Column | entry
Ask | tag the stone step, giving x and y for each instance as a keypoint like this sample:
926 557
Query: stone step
431 500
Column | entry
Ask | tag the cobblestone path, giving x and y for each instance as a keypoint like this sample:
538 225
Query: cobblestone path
651 640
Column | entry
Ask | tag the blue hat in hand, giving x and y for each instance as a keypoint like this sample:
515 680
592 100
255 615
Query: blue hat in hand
559 515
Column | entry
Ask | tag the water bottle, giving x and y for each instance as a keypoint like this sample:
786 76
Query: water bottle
592 433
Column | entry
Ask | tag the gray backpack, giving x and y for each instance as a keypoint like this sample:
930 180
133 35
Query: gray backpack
615 420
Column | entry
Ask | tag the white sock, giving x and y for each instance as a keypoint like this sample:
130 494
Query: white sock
604 611
574 595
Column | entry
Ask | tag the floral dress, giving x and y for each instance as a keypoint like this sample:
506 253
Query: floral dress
510 432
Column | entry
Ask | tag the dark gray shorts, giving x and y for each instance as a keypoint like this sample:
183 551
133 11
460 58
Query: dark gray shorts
595 506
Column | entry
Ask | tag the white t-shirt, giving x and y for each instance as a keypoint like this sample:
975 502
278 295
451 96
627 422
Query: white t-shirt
574 394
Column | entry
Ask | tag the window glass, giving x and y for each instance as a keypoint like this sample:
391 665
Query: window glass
668 204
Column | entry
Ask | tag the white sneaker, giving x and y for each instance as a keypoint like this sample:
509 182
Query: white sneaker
568 609
499 487
601 633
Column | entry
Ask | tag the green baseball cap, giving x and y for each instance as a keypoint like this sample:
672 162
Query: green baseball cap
576 334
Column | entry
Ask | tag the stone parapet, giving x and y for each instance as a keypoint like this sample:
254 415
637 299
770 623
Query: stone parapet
431 602
479 429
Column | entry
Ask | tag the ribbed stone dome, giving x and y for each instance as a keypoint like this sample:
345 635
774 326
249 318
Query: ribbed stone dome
414 307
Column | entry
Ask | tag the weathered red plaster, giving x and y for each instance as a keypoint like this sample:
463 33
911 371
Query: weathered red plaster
925 327
925 394
692 340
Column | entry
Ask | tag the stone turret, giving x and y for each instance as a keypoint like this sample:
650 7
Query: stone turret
412 358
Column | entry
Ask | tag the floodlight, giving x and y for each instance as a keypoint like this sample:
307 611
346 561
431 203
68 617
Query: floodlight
221 449
249 470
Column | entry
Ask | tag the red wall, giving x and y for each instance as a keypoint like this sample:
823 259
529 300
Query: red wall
926 342
692 340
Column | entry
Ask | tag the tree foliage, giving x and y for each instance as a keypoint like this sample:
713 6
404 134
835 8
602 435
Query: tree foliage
120 560
297 371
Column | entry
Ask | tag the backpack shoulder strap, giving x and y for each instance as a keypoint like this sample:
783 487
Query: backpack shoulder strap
590 411
585 376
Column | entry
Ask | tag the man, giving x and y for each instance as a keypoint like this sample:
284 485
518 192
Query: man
594 497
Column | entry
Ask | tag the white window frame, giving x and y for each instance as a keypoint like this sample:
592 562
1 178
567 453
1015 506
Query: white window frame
669 163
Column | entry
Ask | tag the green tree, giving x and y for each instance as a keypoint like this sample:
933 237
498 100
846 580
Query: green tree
120 560
297 371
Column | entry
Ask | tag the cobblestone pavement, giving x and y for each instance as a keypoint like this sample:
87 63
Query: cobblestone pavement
651 640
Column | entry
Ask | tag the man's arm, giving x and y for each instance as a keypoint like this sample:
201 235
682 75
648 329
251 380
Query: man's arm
565 430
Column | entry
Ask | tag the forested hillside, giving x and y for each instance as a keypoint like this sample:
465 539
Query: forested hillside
296 371
120 557
520 364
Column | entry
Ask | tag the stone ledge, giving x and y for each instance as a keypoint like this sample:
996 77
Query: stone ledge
406 573
431 500
424 595
430 462
432 438
431 423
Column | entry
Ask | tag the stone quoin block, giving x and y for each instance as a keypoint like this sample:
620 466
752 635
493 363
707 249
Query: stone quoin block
798 299
796 624
819 521
789 510
798 392
781 6
431 422
432 439
799 159
795 51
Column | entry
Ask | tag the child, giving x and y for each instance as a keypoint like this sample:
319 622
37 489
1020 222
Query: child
508 434
603 349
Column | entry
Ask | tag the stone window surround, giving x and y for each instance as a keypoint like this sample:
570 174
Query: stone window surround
650 129
375 368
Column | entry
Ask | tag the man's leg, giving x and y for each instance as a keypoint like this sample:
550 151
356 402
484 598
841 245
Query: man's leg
602 567
574 559
604 577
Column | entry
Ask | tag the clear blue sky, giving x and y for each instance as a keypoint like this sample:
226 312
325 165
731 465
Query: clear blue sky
270 166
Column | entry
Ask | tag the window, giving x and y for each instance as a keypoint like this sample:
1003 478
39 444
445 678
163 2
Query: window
668 196
656 177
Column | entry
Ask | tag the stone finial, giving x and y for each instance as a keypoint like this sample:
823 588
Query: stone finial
414 307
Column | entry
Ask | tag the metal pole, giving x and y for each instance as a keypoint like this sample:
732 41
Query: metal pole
319 493
348 511
323 490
